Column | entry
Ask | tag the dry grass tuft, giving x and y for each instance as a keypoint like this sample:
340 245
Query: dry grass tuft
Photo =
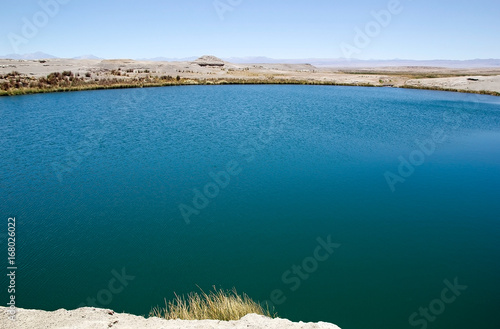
216 305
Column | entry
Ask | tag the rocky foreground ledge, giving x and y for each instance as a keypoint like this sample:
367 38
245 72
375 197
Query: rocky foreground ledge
95 318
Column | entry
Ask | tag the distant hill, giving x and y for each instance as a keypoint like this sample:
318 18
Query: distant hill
87 57
37 55
168 59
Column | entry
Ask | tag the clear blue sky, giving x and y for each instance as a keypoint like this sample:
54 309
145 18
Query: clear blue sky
425 29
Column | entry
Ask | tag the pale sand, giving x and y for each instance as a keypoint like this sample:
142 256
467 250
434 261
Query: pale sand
94 318
489 78
490 83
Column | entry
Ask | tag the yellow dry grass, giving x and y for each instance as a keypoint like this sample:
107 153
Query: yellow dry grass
216 305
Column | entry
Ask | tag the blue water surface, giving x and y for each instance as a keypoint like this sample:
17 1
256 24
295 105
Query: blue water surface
351 205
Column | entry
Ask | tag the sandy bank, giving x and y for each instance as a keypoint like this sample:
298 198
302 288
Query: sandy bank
468 83
94 318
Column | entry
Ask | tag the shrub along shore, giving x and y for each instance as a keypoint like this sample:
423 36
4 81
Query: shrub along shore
18 84
15 83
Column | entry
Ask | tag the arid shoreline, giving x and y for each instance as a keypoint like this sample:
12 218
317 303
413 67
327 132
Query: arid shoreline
21 77
88 317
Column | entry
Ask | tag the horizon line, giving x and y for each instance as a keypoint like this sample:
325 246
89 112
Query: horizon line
50 56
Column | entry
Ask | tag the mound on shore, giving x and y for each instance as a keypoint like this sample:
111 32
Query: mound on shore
208 60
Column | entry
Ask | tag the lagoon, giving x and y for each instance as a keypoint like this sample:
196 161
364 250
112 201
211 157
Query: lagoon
356 206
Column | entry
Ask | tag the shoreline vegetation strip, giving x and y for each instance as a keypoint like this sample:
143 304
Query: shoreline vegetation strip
66 82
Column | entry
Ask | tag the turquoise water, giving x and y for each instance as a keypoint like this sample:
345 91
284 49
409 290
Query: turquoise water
402 186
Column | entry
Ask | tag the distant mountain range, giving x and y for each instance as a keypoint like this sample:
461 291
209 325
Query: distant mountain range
319 62
40 55
37 55
342 62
